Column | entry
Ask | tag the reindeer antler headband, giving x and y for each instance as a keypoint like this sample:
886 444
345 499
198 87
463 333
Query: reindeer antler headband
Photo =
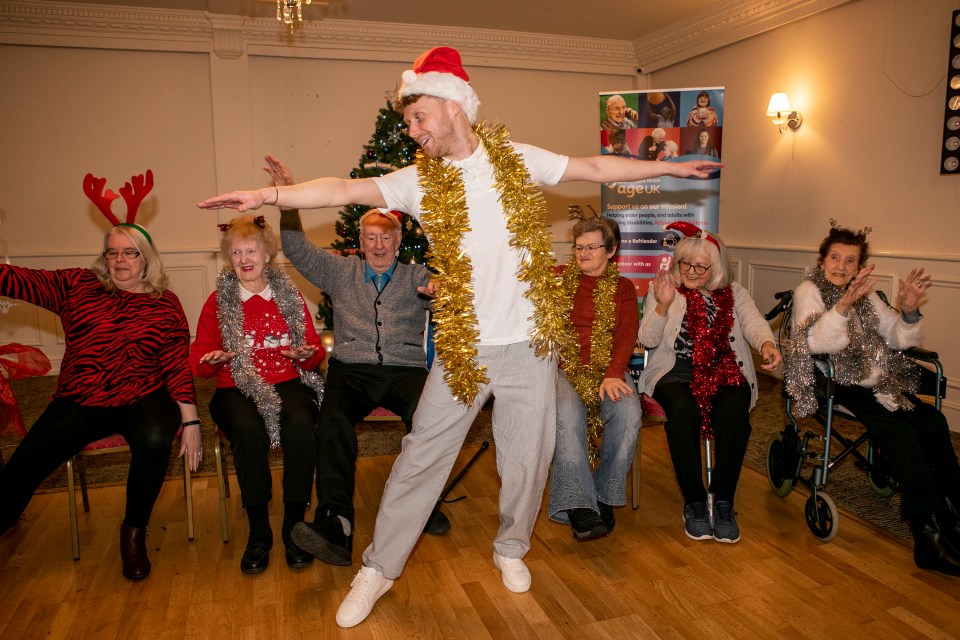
575 212
133 194
861 234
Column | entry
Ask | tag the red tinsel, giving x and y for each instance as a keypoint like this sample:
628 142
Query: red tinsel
714 364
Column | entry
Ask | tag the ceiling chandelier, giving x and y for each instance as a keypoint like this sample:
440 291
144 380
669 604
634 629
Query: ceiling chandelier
290 12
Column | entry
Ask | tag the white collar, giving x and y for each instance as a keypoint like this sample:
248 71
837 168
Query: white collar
266 294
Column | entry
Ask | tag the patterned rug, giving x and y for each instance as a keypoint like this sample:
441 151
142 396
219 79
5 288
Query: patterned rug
374 438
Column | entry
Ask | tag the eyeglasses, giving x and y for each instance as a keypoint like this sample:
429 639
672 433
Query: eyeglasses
698 269
580 248
129 254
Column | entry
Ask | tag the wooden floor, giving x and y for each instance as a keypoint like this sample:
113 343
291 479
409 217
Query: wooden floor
646 580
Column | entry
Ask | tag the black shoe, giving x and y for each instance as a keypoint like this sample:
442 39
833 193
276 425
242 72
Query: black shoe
325 540
930 548
297 558
256 558
437 523
586 524
606 514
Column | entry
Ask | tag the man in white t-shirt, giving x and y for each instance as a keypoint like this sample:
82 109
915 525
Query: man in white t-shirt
502 322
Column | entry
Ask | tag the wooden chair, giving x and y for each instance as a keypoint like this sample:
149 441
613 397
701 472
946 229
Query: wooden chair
112 444
223 482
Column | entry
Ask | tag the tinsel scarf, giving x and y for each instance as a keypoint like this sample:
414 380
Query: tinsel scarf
714 364
248 381
445 219
586 379
867 348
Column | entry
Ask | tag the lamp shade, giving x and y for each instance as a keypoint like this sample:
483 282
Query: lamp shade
779 104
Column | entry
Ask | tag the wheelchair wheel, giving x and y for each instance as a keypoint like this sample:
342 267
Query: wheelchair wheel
822 517
781 463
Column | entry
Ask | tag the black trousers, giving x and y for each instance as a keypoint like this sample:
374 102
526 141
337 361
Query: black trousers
731 431
352 392
65 427
917 444
237 416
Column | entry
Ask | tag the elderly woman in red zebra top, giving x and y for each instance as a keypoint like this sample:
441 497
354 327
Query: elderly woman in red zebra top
256 336
124 370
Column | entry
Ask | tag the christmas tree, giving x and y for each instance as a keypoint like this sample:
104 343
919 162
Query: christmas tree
389 149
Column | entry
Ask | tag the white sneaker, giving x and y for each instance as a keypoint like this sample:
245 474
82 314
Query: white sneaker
365 590
516 576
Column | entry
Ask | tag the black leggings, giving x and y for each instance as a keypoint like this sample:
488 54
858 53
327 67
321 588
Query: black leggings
731 431
65 427
237 416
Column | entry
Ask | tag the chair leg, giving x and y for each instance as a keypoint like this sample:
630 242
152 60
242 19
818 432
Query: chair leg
222 486
188 492
635 474
72 507
82 474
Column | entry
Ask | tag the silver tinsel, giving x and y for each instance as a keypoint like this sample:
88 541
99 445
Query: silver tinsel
230 316
899 375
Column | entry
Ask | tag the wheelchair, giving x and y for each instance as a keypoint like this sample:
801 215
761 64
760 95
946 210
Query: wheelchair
790 456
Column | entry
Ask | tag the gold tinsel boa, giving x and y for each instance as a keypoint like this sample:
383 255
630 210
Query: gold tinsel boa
586 379
445 219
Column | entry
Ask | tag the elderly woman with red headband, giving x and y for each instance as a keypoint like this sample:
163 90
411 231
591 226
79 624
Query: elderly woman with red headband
699 326
256 336
124 370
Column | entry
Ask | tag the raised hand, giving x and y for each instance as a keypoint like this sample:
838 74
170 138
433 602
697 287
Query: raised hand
664 291
911 289
695 168
278 171
861 285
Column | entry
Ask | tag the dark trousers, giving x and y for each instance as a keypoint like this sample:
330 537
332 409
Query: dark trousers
65 427
731 431
237 416
917 444
352 392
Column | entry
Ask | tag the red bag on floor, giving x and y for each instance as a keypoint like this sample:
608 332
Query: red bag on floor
17 361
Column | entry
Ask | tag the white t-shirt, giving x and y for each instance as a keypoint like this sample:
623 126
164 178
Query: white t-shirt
504 314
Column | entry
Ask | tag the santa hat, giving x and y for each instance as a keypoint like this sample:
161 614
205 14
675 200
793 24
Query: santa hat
692 231
439 73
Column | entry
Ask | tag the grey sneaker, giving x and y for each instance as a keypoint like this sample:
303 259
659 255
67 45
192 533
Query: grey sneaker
725 528
695 521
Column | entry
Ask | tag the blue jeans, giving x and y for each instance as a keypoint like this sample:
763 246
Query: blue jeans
572 484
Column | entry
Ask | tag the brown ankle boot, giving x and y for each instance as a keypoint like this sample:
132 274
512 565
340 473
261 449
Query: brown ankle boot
133 552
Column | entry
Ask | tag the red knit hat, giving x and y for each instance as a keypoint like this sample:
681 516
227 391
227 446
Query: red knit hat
439 73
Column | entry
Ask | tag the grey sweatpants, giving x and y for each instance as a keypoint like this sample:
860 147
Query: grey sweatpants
524 431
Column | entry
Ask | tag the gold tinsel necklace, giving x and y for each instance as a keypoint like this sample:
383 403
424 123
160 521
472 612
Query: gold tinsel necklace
445 219
586 379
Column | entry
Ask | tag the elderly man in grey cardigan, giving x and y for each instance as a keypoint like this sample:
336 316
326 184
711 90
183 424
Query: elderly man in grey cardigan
378 360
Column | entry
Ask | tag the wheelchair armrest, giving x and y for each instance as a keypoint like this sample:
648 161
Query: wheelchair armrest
921 354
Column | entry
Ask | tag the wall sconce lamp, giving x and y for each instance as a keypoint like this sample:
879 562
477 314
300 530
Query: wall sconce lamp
782 115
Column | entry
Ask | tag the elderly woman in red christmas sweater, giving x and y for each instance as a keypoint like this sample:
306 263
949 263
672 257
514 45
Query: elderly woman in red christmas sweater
256 336
699 326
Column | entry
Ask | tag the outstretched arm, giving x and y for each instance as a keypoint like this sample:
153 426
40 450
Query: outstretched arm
316 194
617 169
